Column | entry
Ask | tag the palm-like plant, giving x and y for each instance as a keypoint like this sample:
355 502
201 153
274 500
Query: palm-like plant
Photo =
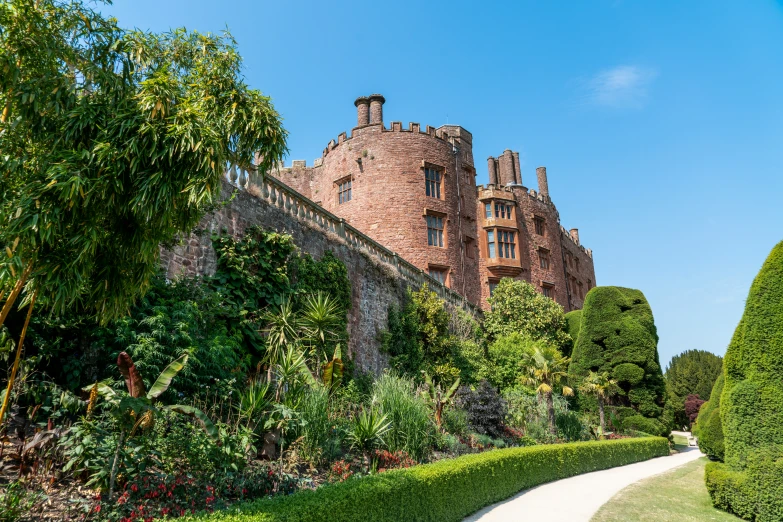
281 330
603 388
367 431
319 319
546 369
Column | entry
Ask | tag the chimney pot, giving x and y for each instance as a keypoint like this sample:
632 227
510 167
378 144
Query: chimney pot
362 104
543 186
376 108
493 171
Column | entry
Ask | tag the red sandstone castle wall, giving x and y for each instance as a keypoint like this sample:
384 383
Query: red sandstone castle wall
389 201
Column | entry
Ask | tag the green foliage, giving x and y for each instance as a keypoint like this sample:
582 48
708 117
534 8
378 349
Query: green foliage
412 427
692 372
171 320
751 405
419 338
367 430
573 325
251 275
315 426
645 425
755 494
618 336
505 357
112 142
709 428
16 501
447 490
518 308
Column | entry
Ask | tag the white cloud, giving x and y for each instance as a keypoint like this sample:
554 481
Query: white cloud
624 86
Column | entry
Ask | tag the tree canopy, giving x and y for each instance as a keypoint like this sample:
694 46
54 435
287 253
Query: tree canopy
112 142
518 308
693 372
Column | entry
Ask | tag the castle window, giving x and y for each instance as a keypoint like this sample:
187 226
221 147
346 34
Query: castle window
502 211
492 285
344 192
506 245
432 178
488 208
491 243
439 274
576 263
581 290
434 230
539 222
548 291
589 284
543 258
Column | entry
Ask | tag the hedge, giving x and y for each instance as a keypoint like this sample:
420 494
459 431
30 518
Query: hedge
754 494
573 324
617 335
708 428
751 405
447 490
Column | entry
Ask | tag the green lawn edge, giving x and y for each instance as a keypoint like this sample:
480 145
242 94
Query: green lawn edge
678 494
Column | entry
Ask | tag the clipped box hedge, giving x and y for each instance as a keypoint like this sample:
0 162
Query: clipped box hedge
447 490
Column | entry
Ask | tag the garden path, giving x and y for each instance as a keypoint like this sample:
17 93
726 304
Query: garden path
577 499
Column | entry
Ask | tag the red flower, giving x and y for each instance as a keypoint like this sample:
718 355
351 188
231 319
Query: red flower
134 488
97 508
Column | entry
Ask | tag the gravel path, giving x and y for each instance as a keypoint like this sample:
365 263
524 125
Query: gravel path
578 498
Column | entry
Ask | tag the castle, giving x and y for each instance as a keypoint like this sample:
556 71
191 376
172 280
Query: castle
413 190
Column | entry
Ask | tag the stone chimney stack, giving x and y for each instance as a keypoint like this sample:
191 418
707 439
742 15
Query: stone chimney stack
362 110
376 108
506 161
574 232
493 171
517 171
543 186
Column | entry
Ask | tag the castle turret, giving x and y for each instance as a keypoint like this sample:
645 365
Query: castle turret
543 186
362 110
574 233
376 108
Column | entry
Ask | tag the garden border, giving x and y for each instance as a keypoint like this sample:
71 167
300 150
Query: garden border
447 490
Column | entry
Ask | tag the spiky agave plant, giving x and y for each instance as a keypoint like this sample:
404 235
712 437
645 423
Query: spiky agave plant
367 431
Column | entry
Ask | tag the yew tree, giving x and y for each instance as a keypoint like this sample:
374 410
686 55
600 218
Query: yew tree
111 143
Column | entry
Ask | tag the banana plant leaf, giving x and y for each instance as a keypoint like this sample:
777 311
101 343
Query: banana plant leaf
105 391
190 411
166 376
131 373
333 371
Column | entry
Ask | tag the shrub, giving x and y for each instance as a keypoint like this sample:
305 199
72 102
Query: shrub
447 490
505 357
16 501
455 421
412 426
751 405
692 406
573 326
485 408
643 424
709 428
618 336
517 307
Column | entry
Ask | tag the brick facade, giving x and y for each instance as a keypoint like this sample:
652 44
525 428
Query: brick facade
389 202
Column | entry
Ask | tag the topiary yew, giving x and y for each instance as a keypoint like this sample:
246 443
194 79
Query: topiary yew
708 428
617 335
573 324
751 405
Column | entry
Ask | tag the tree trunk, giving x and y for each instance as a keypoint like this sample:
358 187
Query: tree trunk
17 359
601 416
550 404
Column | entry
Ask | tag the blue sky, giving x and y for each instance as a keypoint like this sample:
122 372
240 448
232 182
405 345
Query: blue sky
660 123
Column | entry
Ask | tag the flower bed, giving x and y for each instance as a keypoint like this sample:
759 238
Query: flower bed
447 490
